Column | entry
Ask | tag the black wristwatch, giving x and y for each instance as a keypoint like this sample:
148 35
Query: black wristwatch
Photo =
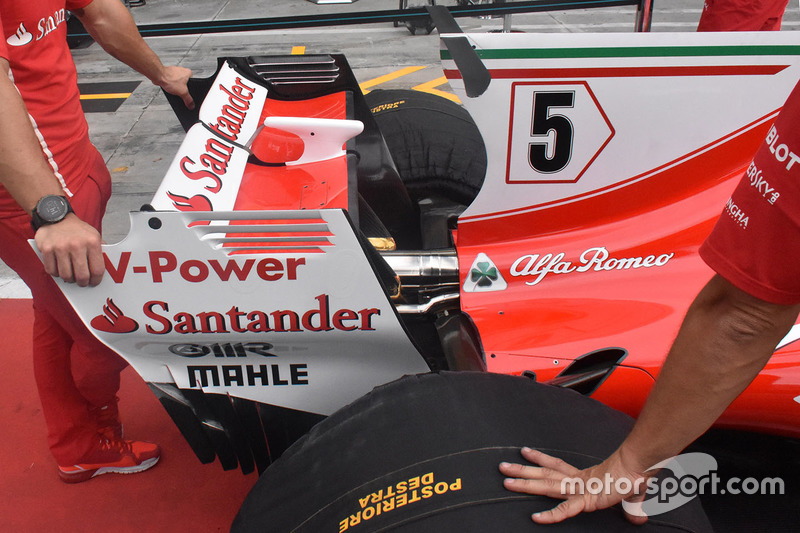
49 210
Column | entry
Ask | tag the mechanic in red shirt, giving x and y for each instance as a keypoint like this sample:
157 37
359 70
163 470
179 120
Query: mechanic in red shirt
728 335
54 187
742 15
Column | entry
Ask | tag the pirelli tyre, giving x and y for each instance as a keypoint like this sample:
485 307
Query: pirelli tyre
434 142
421 455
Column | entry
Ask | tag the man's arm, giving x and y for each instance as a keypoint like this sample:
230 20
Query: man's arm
71 248
726 339
110 24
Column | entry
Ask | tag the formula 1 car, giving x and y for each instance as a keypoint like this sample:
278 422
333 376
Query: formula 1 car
309 242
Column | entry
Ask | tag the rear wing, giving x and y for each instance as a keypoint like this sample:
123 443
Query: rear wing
224 312
193 299
250 310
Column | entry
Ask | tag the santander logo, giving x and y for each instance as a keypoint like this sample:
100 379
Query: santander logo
113 320
21 37
45 27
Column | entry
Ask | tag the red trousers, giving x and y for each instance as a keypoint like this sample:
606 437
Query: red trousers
73 370
742 15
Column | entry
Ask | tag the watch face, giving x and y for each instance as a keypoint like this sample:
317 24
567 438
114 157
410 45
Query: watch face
52 208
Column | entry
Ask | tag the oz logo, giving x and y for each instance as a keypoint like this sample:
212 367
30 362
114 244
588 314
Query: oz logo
556 131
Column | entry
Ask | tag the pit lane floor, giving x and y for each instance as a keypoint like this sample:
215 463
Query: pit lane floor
138 136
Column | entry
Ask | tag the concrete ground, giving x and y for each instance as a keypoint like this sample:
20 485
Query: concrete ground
139 139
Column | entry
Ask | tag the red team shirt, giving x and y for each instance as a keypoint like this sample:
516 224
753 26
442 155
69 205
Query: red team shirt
742 15
34 42
756 242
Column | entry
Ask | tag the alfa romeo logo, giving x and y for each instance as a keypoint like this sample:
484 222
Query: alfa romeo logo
484 276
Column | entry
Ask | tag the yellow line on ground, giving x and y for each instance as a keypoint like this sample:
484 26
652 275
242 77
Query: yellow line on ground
430 87
107 96
387 77
298 50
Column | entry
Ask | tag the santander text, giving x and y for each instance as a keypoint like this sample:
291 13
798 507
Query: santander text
317 318
211 165
49 24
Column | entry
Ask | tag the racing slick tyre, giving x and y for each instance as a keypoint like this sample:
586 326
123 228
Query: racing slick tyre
434 142
421 455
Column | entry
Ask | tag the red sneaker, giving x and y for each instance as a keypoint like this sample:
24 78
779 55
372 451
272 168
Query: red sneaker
112 456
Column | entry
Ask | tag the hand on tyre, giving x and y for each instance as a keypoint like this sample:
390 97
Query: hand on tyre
556 478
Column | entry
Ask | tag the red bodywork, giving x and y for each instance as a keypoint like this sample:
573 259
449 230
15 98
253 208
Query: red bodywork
294 187
544 327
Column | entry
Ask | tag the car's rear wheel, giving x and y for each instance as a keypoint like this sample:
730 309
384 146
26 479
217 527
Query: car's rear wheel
434 142
421 455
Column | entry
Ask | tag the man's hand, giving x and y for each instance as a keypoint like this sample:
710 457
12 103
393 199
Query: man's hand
110 24
173 80
71 250
548 479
